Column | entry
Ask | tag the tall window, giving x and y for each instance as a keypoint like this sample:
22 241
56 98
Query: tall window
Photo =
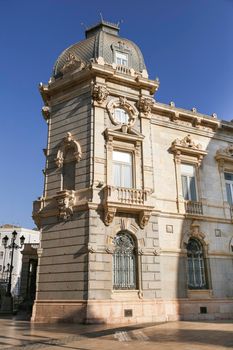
121 58
196 265
188 182
68 170
229 187
124 262
122 169
121 116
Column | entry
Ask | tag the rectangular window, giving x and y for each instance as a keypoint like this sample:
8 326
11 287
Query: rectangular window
188 182
121 58
229 187
122 169
121 116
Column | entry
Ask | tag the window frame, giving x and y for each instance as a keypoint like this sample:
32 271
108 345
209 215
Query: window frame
132 167
134 254
189 177
121 56
199 266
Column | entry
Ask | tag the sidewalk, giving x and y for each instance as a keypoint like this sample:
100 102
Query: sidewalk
21 335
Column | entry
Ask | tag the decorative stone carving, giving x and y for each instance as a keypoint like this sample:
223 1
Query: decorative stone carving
157 251
144 218
225 152
91 249
46 113
188 142
123 103
109 250
195 232
144 105
72 63
65 202
109 215
66 143
99 93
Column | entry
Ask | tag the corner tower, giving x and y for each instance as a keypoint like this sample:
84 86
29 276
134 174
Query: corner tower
98 258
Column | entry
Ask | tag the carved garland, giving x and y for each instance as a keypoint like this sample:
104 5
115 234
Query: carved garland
66 143
123 103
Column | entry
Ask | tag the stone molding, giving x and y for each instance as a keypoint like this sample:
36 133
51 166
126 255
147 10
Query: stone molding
195 232
122 103
66 143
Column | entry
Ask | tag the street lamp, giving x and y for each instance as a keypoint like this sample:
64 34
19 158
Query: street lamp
12 246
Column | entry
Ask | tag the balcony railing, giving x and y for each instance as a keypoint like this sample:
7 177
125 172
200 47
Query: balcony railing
130 196
123 69
194 208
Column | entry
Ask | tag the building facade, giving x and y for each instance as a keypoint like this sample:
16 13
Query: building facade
31 237
136 214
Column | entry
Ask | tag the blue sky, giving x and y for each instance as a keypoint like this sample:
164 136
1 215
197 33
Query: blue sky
186 43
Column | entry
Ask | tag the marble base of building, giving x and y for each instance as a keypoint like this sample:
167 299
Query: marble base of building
113 312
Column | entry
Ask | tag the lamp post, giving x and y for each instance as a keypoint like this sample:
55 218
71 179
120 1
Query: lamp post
12 246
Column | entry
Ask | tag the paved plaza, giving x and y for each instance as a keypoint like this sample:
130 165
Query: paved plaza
16 334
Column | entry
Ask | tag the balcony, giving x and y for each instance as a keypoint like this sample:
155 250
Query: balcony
193 208
130 200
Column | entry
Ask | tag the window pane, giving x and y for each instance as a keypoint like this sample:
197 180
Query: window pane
193 193
122 169
229 193
196 266
228 176
121 58
187 169
184 180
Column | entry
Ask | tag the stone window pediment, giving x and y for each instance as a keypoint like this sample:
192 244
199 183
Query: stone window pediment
225 155
124 133
187 150
65 146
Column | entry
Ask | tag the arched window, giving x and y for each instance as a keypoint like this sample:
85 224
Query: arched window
124 262
68 170
196 265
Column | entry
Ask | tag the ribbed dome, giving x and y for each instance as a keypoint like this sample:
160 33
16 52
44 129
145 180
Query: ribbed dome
102 40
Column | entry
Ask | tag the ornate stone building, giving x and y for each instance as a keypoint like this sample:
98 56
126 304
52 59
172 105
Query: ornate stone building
136 214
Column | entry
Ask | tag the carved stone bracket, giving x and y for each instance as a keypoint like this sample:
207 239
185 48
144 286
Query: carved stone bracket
109 215
144 218
72 63
99 93
46 113
68 142
144 105
65 202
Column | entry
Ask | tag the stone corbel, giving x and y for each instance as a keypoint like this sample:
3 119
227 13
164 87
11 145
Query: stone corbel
99 94
46 112
174 116
65 202
109 215
144 218
145 105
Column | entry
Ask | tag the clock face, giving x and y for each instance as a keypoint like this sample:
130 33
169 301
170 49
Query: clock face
121 116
